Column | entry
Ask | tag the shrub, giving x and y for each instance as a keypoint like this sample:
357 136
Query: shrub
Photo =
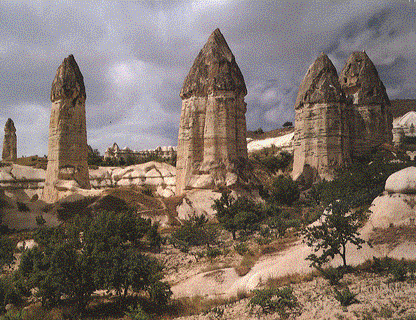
345 297
22 207
8 292
136 313
194 232
274 300
333 275
284 191
212 253
399 271
237 214
241 249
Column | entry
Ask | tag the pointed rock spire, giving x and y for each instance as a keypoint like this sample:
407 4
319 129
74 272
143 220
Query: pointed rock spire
214 69
320 84
67 148
9 142
359 77
68 82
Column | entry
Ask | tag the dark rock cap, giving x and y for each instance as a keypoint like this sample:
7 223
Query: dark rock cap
9 127
320 84
214 69
68 82
360 75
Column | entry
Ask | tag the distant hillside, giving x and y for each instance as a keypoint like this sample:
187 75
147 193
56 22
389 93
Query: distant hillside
399 107
270 134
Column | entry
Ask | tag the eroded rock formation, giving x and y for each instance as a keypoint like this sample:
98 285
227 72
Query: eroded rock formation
212 131
321 141
9 142
67 149
372 124
338 119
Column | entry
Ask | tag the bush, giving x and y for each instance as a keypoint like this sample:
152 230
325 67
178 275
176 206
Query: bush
241 249
284 191
238 214
333 275
274 300
8 292
194 232
346 297
137 313
399 271
212 253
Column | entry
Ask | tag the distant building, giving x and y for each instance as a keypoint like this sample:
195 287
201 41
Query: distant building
126 154
404 128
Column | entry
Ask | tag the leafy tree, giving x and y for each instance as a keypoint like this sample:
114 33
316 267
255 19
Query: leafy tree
237 214
338 227
194 232
94 157
288 124
284 191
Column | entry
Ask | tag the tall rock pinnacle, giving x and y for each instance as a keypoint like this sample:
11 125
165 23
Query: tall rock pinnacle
67 149
9 142
371 106
321 141
212 130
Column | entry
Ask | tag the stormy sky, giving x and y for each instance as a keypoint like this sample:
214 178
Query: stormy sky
135 55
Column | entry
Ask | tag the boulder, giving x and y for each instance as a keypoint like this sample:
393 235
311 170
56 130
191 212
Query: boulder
403 181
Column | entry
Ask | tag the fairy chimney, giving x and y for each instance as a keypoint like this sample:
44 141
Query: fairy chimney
9 142
67 149
321 141
372 125
212 130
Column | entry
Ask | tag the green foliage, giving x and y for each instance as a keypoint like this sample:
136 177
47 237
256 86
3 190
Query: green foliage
212 253
272 160
8 292
238 214
22 207
284 191
337 228
288 124
346 297
258 131
358 183
398 270
194 232
241 249
87 254
40 220
13 315
333 275
274 300
94 157
6 251
137 313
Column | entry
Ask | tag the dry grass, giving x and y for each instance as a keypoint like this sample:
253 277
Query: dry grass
246 264
291 279
393 235
279 245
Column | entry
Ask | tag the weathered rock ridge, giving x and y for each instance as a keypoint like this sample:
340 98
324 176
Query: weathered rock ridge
338 119
9 142
212 131
67 148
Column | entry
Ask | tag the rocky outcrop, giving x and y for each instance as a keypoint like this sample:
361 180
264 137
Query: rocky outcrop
372 120
212 130
321 140
67 149
339 119
9 142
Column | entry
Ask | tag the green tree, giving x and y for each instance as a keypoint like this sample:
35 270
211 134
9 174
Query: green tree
237 214
338 227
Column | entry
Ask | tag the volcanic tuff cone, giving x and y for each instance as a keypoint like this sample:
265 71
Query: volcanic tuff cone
360 78
320 84
9 142
212 130
214 69
67 149
372 125
321 140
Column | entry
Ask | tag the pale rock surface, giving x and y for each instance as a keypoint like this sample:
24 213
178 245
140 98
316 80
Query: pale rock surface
9 142
158 174
196 203
321 138
403 181
212 130
284 142
67 148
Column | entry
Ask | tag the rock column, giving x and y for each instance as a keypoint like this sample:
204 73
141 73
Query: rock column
372 124
9 142
212 130
321 141
67 149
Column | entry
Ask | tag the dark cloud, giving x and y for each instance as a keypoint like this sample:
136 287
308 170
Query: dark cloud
135 55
